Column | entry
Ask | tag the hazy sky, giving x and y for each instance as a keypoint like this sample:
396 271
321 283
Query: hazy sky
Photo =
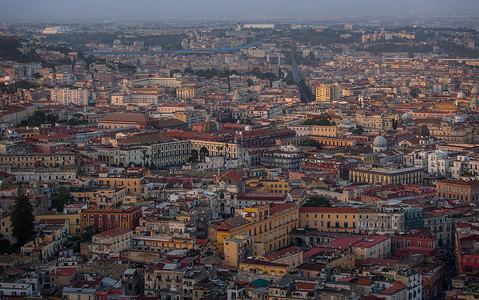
87 10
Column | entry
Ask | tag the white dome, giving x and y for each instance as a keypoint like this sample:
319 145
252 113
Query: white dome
380 142
461 95
475 90
406 116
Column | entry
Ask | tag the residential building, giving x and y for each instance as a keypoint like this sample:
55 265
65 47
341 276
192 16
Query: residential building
373 246
386 176
110 242
330 219
269 224
106 219
458 189
65 96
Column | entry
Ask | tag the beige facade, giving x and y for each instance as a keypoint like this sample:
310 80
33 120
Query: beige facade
111 242
305 130
39 160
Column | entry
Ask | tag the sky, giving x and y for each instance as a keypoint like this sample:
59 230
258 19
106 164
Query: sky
106 10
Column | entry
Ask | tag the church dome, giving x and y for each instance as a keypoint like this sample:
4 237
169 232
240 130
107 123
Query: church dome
461 95
380 142
423 132
474 101
406 116
475 90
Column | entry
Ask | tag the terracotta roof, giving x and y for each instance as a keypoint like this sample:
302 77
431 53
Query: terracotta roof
233 223
306 286
339 210
251 261
233 175
114 232
123 117
283 253
281 207
144 138
396 286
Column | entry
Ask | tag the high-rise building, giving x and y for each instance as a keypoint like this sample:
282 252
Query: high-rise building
328 92
70 96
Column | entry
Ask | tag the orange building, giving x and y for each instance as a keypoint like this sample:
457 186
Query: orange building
330 219
458 189
269 225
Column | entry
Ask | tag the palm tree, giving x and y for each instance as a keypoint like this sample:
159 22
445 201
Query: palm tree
145 157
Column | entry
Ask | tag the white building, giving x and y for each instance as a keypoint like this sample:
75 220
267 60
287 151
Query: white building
16 289
70 96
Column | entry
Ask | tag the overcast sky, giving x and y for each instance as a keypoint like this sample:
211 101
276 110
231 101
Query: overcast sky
74 10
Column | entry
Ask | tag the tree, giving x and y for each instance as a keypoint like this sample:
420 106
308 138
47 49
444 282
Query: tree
395 124
61 197
145 157
194 156
312 143
22 220
323 120
359 129
203 153
317 202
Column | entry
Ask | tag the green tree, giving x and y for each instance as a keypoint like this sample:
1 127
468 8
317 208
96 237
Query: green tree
359 130
317 202
61 197
145 157
323 120
203 153
194 156
312 143
22 220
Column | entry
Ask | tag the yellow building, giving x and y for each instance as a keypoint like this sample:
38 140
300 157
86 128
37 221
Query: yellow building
315 130
330 219
111 241
104 197
291 256
133 185
328 92
73 220
35 160
277 186
6 229
375 246
343 260
237 248
186 92
332 142
270 226
161 243
256 266
390 176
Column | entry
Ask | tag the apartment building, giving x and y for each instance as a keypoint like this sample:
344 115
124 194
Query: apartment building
269 224
330 219
106 219
70 96
458 189
328 92
386 176
46 160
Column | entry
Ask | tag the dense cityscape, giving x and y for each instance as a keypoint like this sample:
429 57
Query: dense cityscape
266 159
